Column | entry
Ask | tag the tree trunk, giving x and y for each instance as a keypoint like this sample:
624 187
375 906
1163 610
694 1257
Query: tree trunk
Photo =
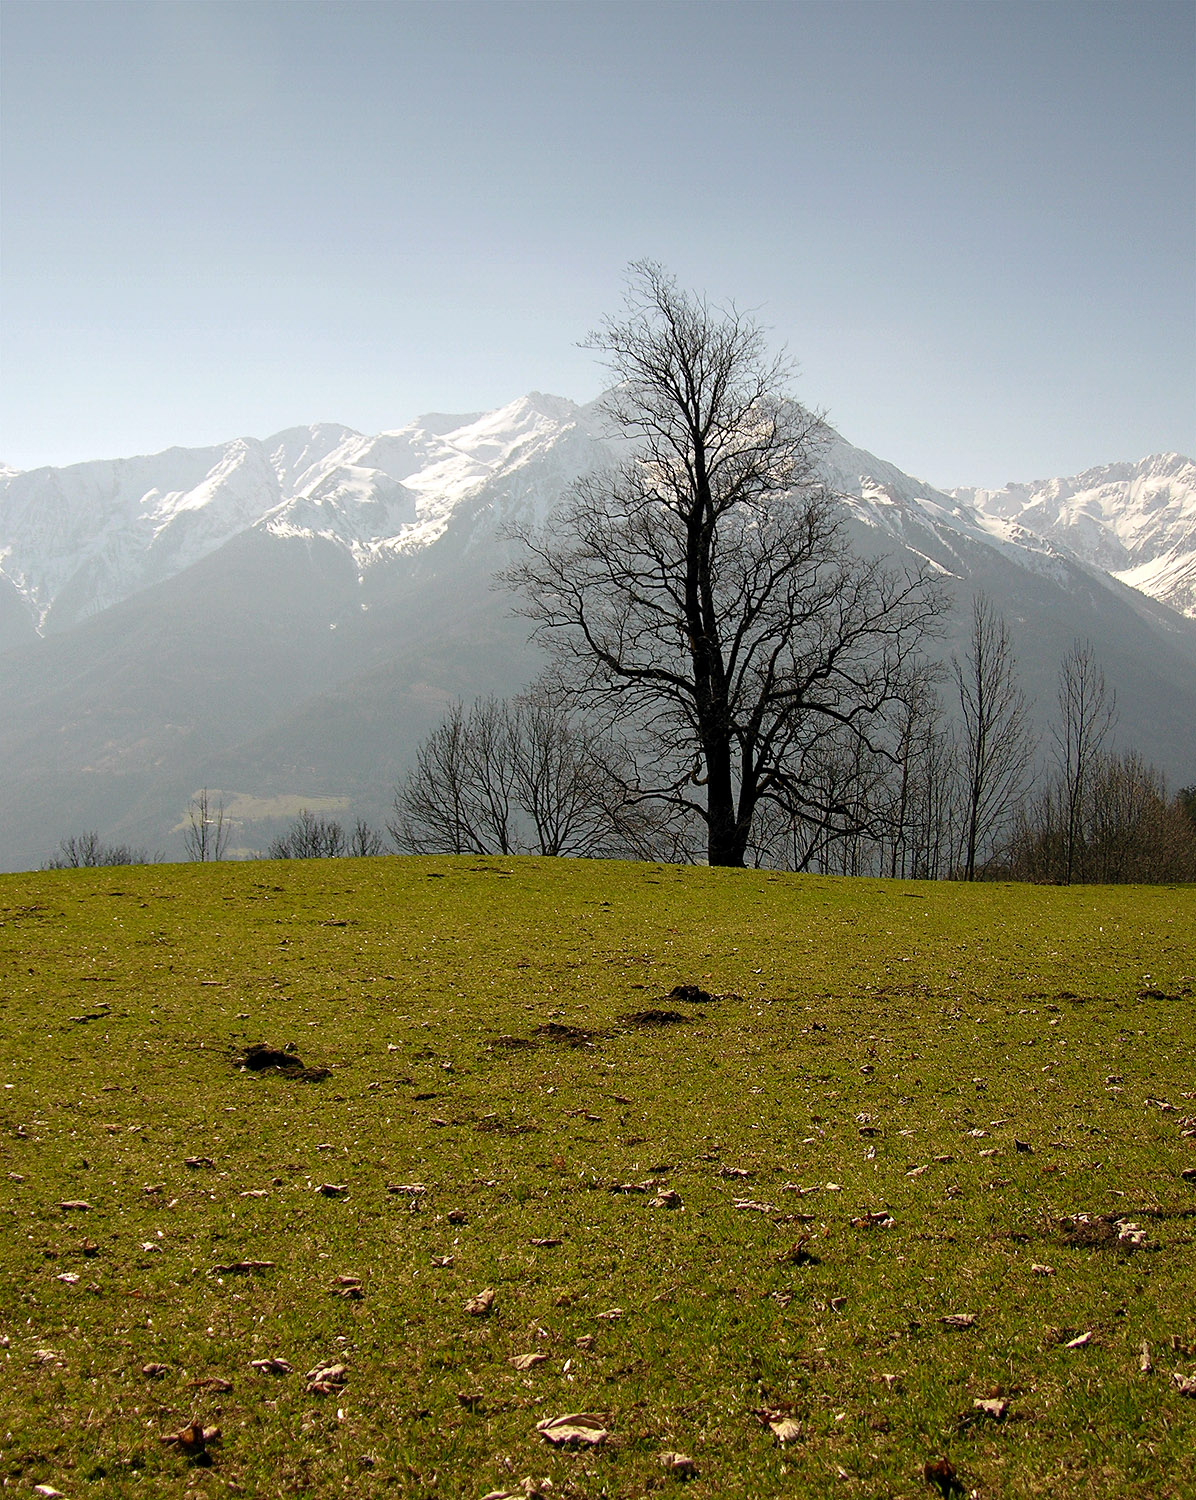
724 843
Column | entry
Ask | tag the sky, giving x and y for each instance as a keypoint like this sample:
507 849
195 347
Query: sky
971 223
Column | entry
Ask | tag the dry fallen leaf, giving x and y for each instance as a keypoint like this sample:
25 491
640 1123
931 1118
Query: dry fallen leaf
1080 1343
752 1207
1145 1364
993 1407
798 1253
679 1464
242 1267
442 1262
480 1305
323 1380
527 1361
273 1366
1184 1384
48 1491
192 1439
611 1315
574 1430
210 1383
784 1427
154 1371
546 1244
1039 1270
74 1205
334 1189
670 1198
958 1320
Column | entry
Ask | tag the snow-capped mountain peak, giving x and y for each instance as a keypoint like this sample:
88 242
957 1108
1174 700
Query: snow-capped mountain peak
1136 521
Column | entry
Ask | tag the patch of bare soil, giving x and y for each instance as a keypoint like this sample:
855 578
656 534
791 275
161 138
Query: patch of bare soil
262 1059
692 994
570 1036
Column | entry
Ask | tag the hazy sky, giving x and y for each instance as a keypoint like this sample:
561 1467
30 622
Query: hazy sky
972 222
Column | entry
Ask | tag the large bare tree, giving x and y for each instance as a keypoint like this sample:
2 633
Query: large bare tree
702 594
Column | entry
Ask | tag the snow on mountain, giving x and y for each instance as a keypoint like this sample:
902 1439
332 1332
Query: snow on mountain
881 496
1135 521
75 541
397 492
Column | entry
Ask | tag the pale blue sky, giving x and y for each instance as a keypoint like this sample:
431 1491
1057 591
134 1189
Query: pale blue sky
972 222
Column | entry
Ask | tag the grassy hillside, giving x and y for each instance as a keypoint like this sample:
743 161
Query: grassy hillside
911 1104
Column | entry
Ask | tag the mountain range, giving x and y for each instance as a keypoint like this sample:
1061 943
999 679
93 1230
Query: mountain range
283 619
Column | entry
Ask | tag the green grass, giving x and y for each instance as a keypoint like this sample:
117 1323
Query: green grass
883 1028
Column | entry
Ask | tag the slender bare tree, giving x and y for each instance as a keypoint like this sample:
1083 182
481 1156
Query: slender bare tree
365 841
702 596
1087 716
205 836
996 742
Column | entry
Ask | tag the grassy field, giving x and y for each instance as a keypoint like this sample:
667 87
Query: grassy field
926 1150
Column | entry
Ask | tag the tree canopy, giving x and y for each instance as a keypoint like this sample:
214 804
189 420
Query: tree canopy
702 596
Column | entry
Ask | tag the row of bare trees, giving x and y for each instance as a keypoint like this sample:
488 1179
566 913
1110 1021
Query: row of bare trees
88 851
313 836
958 786
525 776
